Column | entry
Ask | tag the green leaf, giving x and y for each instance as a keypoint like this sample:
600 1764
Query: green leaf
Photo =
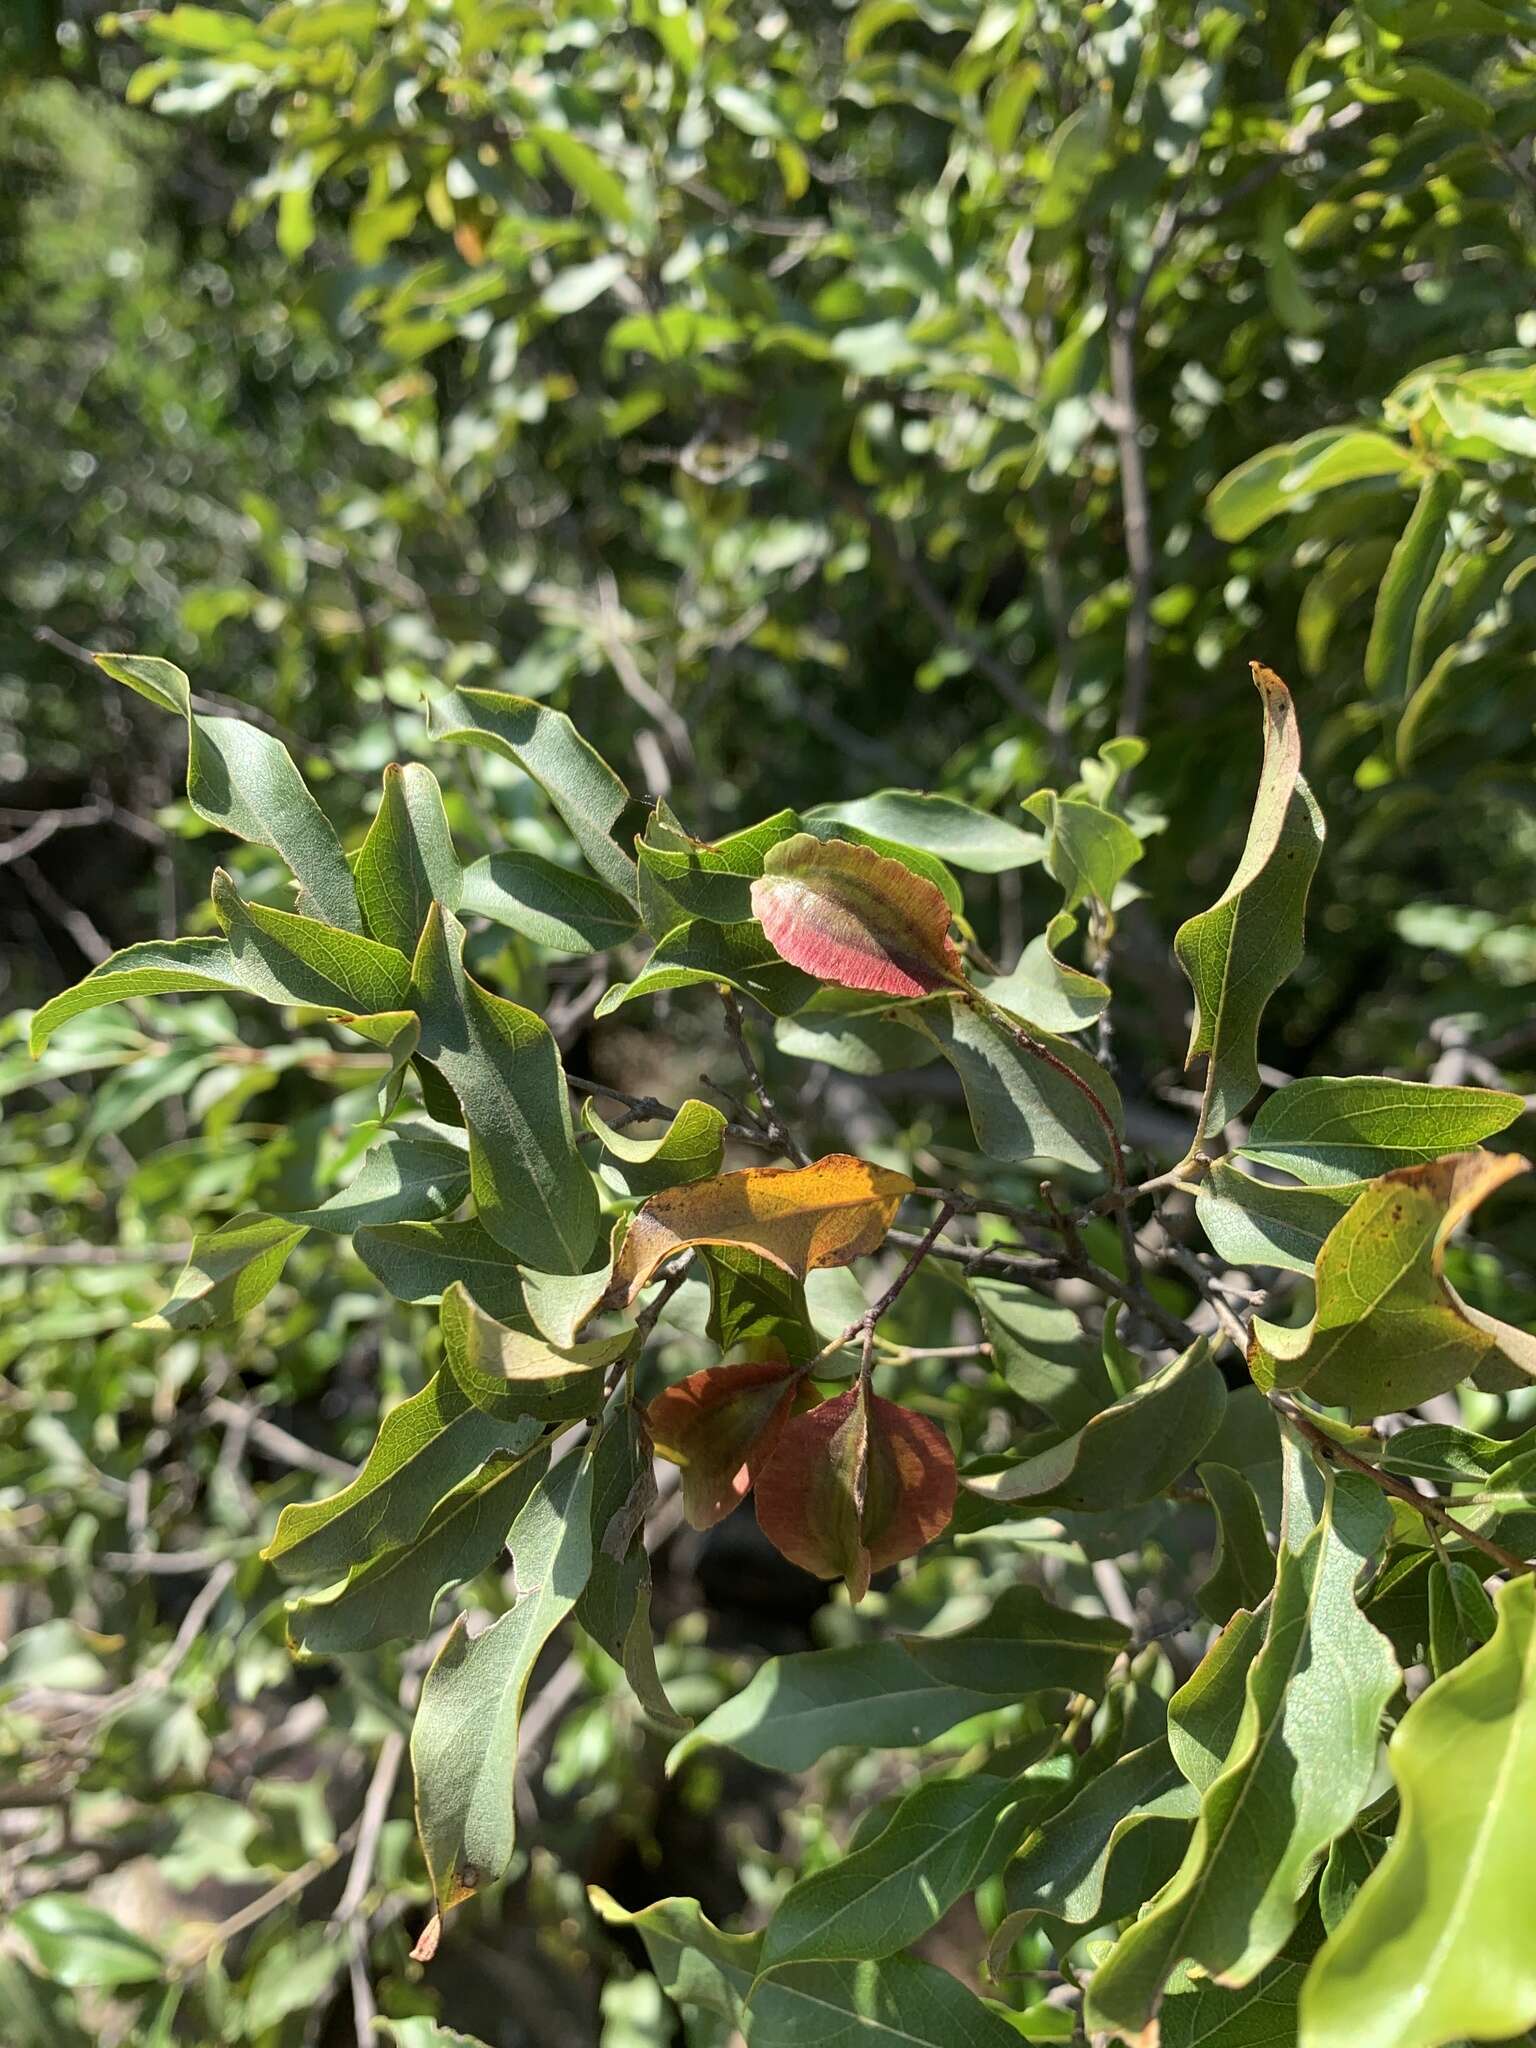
955 832
755 1306
160 967
395 1594
498 1366
1088 849
715 882
1040 1349
1099 1857
1274 480
1389 1330
588 177
464 1742
700 1968
228 1271
1050 1103
1437 1945
396 1033
898 2003
407 861
585 792
1243 1569
934 1848
287 959
410 1173
559 910
1204 1713
1238 952
1043 990
855 1032
615 1605
1299 1767
1199 2014
81 1946
420 1261
425 1447
1128 1452
1446 1455
1460 1613
794 1709
1389 654
1327 1131
699 952
532 1192
1255 1223
244 781
1024 1644
691 1148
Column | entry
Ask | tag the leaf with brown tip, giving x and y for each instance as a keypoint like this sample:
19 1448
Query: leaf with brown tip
1390 1330
827 1214
849 915
855 1484
719 1426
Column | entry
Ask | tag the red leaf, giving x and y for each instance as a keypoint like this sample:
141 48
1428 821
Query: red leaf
852 916
719 1426
853 1485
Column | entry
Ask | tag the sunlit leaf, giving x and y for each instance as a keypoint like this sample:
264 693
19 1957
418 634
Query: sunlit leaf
846 914
407 862
1332 1131
719 1426
228 1271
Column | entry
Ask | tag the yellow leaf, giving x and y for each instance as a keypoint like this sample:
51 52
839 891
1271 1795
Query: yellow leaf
826 1214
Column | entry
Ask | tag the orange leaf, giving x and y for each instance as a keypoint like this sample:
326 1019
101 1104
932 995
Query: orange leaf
852 916
855 1484
719 1426
827 1214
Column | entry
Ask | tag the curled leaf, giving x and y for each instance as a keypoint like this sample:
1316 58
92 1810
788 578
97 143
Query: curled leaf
855 1484
720 1426
1390 1331
826 1214
849 915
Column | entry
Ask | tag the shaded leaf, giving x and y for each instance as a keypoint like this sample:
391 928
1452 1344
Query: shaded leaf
1024 1644
825 1214
228 1271
1048 1102
700 1968
1437 1945
934 1847
719 1426
419 1261
496 1365
559 910
1389 1330
702 953
897 2003
756 1307
1204 1714
853 1485
408 1174
1041 1350
1327 1131
1389 664
855 1032
1237 953
425 1446
1243 1569
244 781
464 1741
394 1595
715 882
1128 1452
615 1604
1255 1223
846 914
1300 1764
531 1190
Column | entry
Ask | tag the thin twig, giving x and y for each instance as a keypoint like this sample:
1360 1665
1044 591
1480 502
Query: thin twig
276 1895
863 1326
41 1255
774 1124
277 1442
1424 1504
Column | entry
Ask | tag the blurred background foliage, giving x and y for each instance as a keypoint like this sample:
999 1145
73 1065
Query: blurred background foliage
808 398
